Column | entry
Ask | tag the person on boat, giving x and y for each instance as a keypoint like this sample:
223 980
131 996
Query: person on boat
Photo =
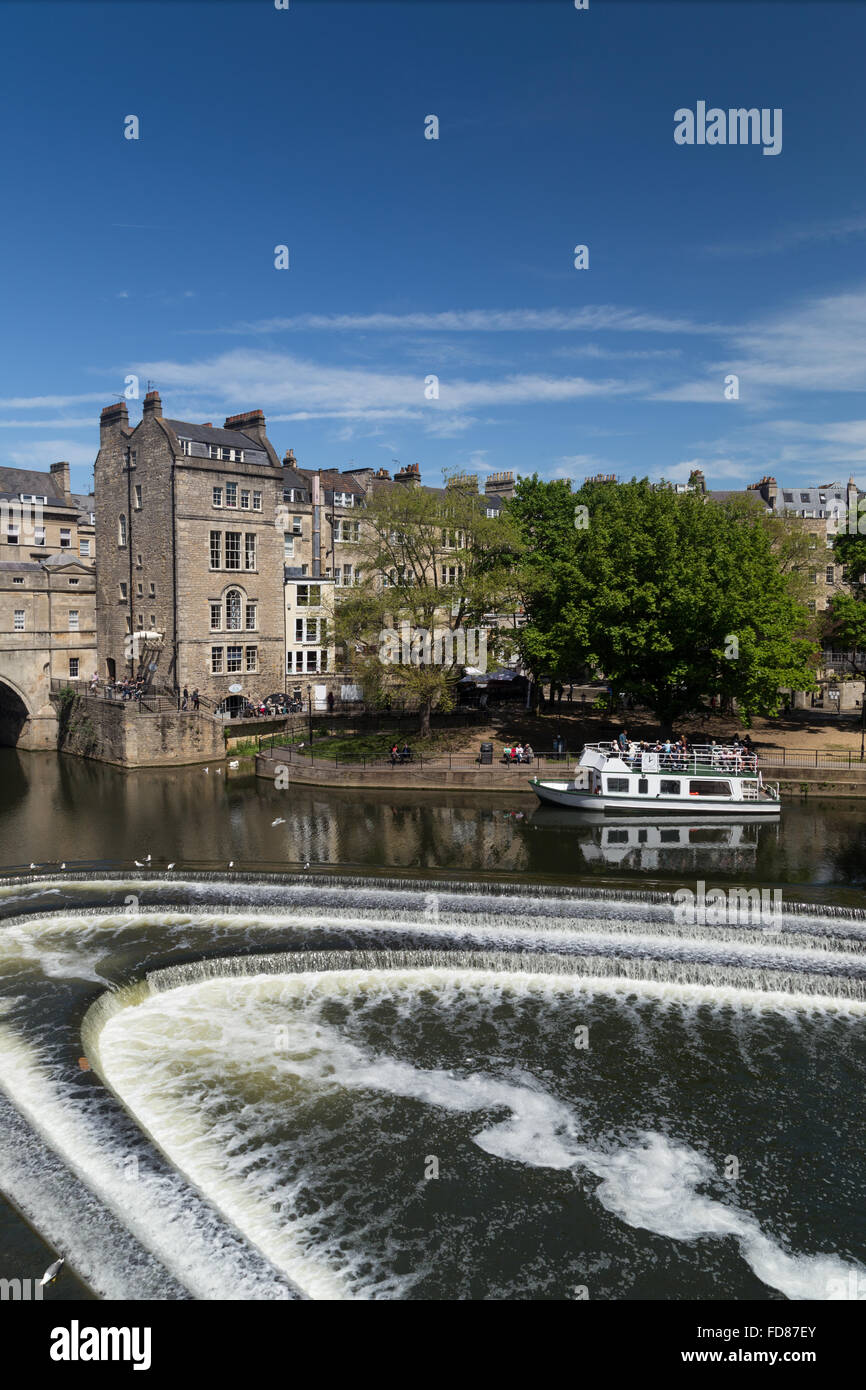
623 740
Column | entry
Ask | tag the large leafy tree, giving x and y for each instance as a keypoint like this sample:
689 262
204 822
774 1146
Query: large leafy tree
434 569
673 596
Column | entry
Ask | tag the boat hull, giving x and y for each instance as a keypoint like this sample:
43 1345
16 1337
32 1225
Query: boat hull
562 793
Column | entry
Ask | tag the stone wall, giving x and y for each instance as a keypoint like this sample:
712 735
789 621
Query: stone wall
115 732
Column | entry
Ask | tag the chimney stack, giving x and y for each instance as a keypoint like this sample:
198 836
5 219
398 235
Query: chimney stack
60 475
411 474
250 422
113 417
502 484
153 405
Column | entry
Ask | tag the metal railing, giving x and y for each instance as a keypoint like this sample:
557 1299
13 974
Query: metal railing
565 762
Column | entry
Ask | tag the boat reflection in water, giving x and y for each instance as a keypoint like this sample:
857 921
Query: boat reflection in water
647 842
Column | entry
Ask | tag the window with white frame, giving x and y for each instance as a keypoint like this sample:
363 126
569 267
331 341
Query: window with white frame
347 530
288 546
344 499
251 658
123 588
39 535
216 661
185 446
233 610
245 499
73 667
233 550
308 595
310 630
216 549
83 544
138 497
252 617
216 617
73 620
121 530
297 525
250 550
12 533
18 621
231 494
217 496
65 538
257 501
234 660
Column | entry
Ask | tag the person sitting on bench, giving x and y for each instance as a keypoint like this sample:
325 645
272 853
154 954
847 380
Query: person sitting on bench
405 754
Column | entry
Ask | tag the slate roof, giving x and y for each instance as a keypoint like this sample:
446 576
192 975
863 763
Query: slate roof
208 434
14 481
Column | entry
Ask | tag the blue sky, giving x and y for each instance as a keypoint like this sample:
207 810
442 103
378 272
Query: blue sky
412 257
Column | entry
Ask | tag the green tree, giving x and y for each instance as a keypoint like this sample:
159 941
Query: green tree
434 569
672 596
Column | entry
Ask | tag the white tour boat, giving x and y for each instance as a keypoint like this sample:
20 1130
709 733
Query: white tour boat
709 779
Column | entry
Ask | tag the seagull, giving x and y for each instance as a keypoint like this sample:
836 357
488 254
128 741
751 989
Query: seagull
234 764
307 865
138 864
51 1273
231 863
147 858
63 866
219 770
171 866
33 866
280 820
206 769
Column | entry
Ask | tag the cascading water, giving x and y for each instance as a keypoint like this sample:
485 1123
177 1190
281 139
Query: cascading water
569 1089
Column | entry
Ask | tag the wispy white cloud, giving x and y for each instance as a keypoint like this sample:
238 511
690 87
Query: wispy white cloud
594 317
85 422
789 237
303 389
51 402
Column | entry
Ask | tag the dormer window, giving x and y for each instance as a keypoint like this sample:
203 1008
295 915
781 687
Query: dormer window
186 446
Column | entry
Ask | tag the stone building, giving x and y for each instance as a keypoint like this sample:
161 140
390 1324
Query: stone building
190 579
822 512
47 599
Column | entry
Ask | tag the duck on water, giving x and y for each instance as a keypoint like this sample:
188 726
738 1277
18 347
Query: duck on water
619 778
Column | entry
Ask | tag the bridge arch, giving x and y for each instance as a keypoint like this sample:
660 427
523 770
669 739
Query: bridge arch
15 712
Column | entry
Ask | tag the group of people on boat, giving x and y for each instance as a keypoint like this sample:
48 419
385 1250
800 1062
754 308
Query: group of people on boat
675 753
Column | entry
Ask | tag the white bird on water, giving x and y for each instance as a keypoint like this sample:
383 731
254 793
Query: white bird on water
138 864
63 866
171 866
206 769
33 866
231 863
307 865
147 858
51 1273
280 820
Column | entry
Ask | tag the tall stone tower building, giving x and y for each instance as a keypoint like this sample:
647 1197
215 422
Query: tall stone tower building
190 575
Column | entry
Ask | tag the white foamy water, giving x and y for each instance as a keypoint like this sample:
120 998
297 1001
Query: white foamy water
163 1055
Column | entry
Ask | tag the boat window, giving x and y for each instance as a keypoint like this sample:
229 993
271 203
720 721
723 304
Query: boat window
618 837
617 784
669 788
710 835
709 788
669 837
641 837
643 786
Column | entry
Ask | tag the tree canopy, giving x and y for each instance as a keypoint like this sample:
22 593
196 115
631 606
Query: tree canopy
674 597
